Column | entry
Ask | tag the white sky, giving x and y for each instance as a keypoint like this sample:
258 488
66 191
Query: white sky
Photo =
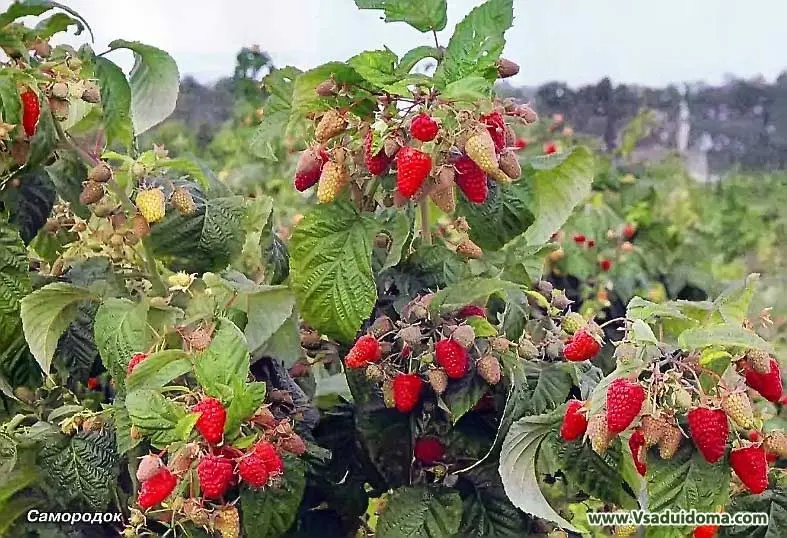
651 42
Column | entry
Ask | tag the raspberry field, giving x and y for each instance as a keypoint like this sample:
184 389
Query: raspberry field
387 297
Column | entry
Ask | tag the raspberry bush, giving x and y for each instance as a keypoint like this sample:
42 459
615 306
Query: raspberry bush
399 361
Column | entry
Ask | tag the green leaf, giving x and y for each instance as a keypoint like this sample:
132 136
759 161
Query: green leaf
82 467
481 327
279 84
378 67
413 56
467 90
122 426
115 103
475 290
225 360
30 204
285 344
477 42
158 370
121 330
487 512
733 303
506 214
26 8
727 335
154 81
553 382
269 512
268 310
59 22
10 101
247 398
399 226
14 286
642 333
557 192
421 511
424 15
156 416
772 501
305 99
331 269
463 394
46 313
518 466
45 137
76 351
68 173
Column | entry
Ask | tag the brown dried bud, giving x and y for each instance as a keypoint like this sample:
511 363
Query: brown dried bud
60 90
60 108
42 48
390 147
91 93
468 249
327 88
506 68
101 173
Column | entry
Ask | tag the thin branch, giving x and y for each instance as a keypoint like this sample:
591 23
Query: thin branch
426 233
436 42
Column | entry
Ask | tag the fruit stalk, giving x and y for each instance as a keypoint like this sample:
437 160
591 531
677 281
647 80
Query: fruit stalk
426 234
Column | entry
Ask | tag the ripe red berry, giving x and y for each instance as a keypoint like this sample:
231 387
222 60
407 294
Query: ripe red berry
210 423
709 430
471 180
471 310
135 360
629 230
605 264
550 148
574 422
582 346
270 457
92 383
591 243
452 356
521 143
768 385
579 239
428 450
156 488
624 402
638 451
366 349
496 126
378 163
31 110
215 476
751 467
424 127
754 436
705 531
412 167
407 391
253 471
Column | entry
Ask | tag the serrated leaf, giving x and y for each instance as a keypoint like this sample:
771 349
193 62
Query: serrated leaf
331 269
14 286
462 395
556 192
268 310
10 100
477 42
733 303
76 350
157 416
269 512
67 173
378 67
82 467
115 103
420 511
285 344
728 335
399 225
772 501
121 330
476 290
247 398
424 15
45 138
25 8
225 360
467 90
518 466
278 117
551 384
29 205
487 512
642 333
59 22
158 370
154 81
506 214
46 313
413 56
122 426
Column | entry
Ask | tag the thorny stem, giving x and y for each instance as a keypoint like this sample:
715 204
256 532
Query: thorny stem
149 258
426 234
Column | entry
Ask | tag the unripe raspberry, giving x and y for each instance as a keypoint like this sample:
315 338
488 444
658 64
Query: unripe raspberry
481 149
183 202
509 164
464 335
327 88
149 465
59 90
331 124
92 192
488 367
670 441
151 204
438 380
738 407
776 443
759 360
333 179
598 434
101 173
91 93
467 249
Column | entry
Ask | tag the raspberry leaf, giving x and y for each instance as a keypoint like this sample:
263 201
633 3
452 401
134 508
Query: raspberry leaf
30 204
477 290
269 512
158 370
14 286
462 395
424 16
399 225
467 90
421 511
164 420
247 398
487 511
331 269
772 502
225 360
550 382
506 214
727 335
115 102
120 330
378 67
413 56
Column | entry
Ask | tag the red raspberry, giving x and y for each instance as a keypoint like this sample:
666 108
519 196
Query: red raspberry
253 471
136 359
377 164
521 143
605 264
471 180
582 346
496 126
591 243
629 230
709 430
574 422
366 349
579 239
705 531
305 181
424 127
468 311
428 450
211 421
624 402
452 356
751 467
406 391
412 167
31 110
215 476
638 451
754 436
156 488
270 457
550 148
768 385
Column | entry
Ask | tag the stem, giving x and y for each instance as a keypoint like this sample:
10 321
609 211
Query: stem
436 42
370 191
426 234
150 261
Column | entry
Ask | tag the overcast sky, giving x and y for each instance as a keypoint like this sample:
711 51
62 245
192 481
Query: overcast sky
651 42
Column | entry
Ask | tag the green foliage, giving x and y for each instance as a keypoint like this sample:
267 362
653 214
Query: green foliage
116 99
421 511
772 502
486 511
14 286
121 330
225 360
429 15
269 512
